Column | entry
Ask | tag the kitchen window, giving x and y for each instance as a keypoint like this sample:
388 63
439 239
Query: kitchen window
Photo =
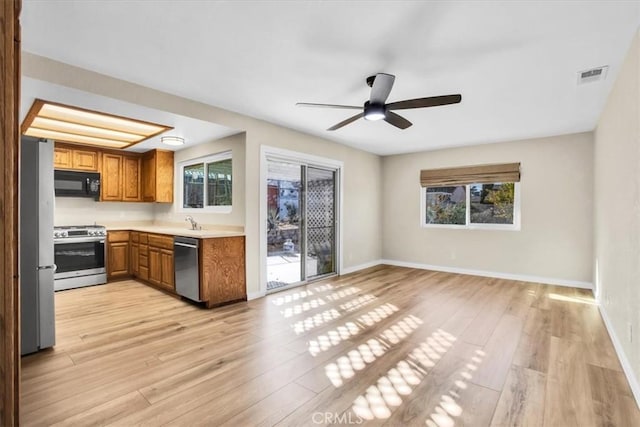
452 199
207 183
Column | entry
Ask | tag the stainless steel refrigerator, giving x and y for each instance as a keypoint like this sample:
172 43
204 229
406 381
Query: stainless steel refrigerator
36 245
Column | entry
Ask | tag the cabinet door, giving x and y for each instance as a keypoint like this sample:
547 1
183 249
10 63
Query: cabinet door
62 158
85 160
131 179
117 259
111 177
155 265
167 275
134 260
149 177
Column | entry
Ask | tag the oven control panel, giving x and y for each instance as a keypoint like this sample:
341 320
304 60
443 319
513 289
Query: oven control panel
81 231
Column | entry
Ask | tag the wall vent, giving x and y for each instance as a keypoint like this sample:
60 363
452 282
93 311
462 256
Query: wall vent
592 75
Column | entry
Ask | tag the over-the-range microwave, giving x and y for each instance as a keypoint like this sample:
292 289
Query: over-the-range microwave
76 184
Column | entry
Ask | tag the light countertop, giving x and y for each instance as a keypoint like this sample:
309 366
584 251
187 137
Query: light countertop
176 231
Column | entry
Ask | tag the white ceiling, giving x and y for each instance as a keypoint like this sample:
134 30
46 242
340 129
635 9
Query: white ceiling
514 63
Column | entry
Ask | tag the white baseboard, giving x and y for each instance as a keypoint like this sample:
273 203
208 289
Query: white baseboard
626 366
360 267
254 295
497 275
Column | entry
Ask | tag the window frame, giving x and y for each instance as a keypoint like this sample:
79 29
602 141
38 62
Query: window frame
469 226
211 158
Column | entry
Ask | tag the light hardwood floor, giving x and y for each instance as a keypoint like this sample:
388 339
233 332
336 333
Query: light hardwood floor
385 346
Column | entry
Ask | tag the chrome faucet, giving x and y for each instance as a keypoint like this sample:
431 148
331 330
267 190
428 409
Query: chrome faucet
194 224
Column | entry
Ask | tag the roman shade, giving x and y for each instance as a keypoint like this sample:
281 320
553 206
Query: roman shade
479 174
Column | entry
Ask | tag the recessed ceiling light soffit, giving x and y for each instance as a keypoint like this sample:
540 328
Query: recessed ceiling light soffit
81 126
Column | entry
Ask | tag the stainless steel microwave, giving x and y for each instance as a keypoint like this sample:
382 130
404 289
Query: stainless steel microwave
76 184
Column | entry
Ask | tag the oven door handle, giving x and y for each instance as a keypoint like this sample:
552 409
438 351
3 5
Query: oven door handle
80 240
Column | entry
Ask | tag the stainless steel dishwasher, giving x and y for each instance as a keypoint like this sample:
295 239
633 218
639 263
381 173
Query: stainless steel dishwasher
185 252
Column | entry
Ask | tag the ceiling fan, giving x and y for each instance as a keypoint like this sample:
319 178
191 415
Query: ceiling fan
376 109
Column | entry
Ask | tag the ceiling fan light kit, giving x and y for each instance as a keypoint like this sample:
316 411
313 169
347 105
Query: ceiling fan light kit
374 111
377 109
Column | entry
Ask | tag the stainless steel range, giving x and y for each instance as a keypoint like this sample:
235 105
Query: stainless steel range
79 256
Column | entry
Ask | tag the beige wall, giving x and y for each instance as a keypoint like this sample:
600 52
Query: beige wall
82 211
555 240
235 144
362 205
617 210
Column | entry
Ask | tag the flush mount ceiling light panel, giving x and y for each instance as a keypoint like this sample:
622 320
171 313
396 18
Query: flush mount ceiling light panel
172 140
77 125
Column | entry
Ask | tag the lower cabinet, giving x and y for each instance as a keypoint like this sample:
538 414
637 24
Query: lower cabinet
155 266
160 260
117 255
166 269
149 257
222 270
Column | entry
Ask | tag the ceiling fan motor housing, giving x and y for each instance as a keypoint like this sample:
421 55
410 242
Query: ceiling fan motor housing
374 111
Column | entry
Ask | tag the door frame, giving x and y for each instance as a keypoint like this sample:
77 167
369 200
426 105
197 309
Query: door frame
9 146
312 160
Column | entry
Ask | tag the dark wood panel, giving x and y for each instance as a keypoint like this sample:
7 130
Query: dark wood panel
9 303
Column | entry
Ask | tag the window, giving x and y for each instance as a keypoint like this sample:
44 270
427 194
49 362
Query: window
479 196
493 205
207 183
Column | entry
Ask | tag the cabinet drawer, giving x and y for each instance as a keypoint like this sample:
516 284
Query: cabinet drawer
118 236
144 261
159 241
144 238
144 250
135 236
144 271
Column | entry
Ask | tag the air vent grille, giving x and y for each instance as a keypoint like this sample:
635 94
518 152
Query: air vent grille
592 75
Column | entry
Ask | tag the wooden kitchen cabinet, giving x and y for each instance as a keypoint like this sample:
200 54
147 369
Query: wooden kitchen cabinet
167 276
222 270
121 178
75 158
111 177
161 271
117 254
134 253
155 266
143 258
131 179
157 176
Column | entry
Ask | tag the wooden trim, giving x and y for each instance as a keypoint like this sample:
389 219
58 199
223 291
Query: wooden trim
39 103
9 154
478 174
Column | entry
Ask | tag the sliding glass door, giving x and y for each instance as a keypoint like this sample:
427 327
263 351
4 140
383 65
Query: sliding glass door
301 223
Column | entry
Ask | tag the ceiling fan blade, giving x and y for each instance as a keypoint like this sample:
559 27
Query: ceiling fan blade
432 101
346 122
397 120
381 88
310 104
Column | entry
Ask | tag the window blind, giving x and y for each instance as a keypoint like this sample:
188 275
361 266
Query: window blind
479 174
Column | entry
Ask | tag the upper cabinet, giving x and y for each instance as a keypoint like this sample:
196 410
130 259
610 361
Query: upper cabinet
157 173
77 158
111 178
131 179
124 176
